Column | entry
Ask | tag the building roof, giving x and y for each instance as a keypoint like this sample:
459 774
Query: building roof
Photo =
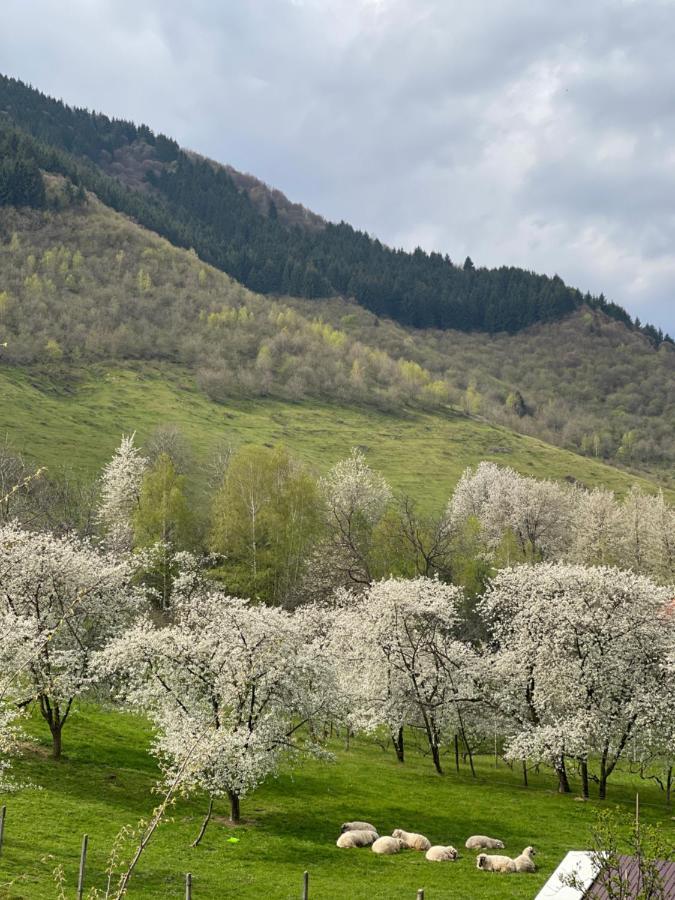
584 866
630 873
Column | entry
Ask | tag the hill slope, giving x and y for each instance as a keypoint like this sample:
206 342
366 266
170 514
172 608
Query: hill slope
76 418
80 283
196 203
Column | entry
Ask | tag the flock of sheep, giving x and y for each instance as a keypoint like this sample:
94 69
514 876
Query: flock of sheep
363 834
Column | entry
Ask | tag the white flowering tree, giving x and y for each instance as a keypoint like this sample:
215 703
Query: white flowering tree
355 498
596 528
17 647
240 680
534 514
580 664
65 600
121 483
400 661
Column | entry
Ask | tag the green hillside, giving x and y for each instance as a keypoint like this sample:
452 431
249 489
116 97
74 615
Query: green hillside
77 420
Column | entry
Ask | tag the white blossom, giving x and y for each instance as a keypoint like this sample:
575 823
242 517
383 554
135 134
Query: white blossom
399 661
121 481
243 678
65 601
580 658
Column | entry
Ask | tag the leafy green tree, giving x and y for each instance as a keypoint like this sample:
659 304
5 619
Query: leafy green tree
265 520
162 524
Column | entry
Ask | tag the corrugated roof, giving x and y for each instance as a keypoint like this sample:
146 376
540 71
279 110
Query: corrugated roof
630 872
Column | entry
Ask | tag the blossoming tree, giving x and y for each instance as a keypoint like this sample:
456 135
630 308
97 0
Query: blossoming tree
239 679
65 601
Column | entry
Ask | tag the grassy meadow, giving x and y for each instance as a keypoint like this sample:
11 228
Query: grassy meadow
76 419
106 779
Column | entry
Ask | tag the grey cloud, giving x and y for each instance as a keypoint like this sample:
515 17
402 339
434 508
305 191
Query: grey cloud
522 132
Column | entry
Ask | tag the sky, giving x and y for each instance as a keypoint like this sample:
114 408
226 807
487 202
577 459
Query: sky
536 133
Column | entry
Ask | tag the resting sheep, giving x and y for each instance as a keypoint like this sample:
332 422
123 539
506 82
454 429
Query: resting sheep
411 840
388 846
441 854
357 826
524 862
481 842
350 839
495 863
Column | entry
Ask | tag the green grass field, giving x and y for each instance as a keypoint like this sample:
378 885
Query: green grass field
105 781
77 420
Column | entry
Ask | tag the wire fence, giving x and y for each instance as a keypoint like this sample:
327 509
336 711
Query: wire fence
190 892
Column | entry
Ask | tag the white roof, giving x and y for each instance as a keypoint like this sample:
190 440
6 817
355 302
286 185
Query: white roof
577 862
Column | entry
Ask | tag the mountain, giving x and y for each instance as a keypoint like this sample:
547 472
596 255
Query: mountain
83 283
233 222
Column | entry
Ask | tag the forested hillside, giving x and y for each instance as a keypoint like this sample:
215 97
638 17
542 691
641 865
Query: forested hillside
196 203
81 284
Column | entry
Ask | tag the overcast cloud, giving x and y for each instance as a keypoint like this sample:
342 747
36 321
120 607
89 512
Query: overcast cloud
536 133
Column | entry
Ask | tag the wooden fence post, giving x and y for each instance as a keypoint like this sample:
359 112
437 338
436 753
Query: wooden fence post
83 863
3 813
188 886
305 886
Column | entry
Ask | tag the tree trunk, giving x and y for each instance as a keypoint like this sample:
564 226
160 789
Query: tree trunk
602 789
436 756
561 771
234 807
457 752
585 793
669 785
206 821
397 740
525 773
56 728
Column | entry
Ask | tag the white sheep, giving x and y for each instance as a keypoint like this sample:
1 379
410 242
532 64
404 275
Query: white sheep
411 840
524 862
481 842
495 863
441 854
357 826
350 839
388 846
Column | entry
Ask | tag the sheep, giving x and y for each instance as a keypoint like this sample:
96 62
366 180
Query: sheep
411 840
481 842
388 846
357 826
350 839
495 863
524 862
441 854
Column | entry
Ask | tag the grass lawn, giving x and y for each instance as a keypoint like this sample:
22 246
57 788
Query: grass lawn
290 824
77 419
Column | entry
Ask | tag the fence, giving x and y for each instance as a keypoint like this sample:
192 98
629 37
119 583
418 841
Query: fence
188 877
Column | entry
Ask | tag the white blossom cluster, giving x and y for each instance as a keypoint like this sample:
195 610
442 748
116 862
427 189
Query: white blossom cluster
239 680
61 600
121 482
555 522
583 661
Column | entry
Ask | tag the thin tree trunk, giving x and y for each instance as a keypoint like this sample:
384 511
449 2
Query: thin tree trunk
397 740
436 756
205 823
525 782
457 752
234 807
563 781
602 789
585 793
669 785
